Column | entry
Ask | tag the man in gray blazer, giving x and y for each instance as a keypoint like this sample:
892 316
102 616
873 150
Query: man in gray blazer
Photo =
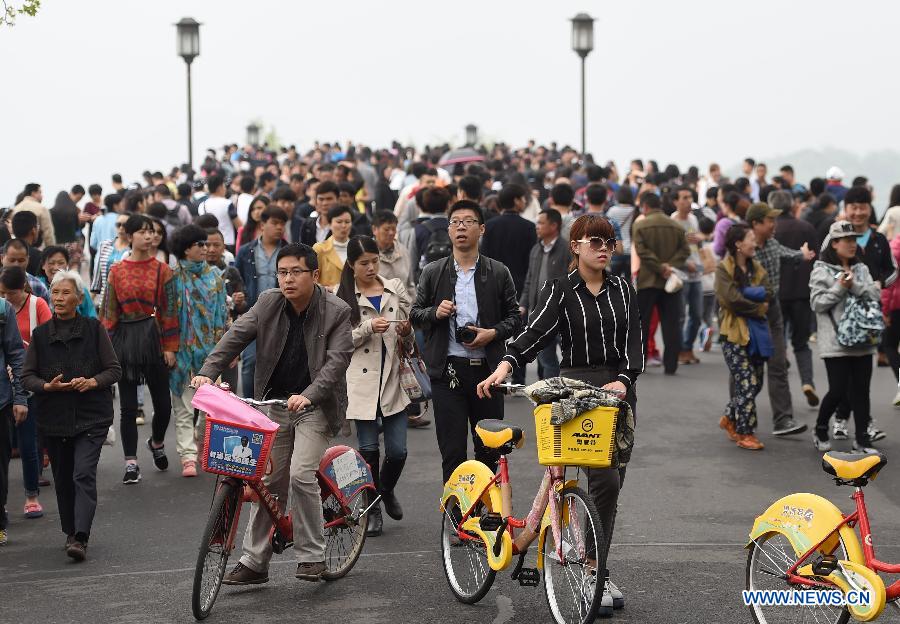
304 346
549 260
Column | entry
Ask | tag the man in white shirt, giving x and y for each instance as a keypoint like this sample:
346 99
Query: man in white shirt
246 197
222 208
243 451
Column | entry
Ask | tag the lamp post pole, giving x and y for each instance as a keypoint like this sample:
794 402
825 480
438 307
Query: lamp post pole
583 105
188 45
190 127
582 44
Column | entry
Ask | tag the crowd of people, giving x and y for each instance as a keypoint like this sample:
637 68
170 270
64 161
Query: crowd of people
311 276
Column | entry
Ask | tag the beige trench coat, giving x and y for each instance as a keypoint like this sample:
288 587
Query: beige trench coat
364 372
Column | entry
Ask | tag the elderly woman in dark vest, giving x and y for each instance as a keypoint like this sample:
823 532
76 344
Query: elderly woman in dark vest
70 366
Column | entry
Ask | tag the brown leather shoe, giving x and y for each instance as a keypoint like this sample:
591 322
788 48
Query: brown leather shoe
310 571
77 550
685 357
242 575
726 424
750 442
694 359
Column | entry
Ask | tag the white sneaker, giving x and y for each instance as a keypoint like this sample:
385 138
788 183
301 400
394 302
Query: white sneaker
839 430
607 605
874 432
110 437
616 594
868 450
821 445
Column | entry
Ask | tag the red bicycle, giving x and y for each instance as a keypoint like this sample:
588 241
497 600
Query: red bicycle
236 447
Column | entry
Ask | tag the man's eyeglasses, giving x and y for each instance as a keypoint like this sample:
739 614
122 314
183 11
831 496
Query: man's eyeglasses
283 273
598 243
466 222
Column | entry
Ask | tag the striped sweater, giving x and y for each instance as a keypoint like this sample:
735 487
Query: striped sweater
130 295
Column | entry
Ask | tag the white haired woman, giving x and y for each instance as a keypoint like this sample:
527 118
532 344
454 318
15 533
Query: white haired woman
70 366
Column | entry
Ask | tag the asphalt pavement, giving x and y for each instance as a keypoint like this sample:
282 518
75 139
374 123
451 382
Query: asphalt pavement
688 502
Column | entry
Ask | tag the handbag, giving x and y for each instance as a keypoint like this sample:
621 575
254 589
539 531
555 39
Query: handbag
861 323
137 342
414 377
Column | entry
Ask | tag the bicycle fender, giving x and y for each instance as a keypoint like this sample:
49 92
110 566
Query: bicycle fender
545 523
472 525
469 482
805 520
854 576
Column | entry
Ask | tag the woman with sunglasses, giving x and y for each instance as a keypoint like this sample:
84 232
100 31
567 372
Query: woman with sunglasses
138 311
200 306
596 317
110 252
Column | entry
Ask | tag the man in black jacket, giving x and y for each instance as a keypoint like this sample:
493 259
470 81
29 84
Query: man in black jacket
466 308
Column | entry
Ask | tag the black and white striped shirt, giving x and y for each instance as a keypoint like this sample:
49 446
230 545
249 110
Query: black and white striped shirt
595 331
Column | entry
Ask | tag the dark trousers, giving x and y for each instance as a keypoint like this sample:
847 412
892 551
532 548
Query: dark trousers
849 379
670 305
74 463
457 411
891 342
604 484
796 314
26 438
157 380
6 421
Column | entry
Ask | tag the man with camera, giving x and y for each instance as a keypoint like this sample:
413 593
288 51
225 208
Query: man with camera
466 308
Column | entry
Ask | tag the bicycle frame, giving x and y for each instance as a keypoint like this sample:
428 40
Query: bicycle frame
859 518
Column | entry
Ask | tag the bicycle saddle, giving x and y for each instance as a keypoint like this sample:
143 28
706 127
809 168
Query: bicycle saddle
496 433
853 466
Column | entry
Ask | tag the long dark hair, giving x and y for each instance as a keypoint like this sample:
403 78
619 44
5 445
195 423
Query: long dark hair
248 233
356 247
736 233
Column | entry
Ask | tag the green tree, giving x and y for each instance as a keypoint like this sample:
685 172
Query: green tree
12 10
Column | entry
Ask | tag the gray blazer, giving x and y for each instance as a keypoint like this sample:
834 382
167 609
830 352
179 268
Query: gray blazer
329 346
558 258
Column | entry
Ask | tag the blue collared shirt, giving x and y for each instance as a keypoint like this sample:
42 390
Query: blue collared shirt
466 311
265 269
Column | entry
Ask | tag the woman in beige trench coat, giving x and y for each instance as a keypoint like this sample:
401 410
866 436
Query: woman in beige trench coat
379 313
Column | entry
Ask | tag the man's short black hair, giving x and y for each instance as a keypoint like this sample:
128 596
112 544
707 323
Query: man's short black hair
328 186
649 199
247 184
157 210
138 222
337 211
117 178
15 242
31 188
787 169
465 204
418 169
506 198
301 252
273 212
214 183
750 161
207 220
596 194
382 217
23 222
553 216
95 189
595 173
624 195
77 190
266 177
184 237
858 195
471 185
163 190
434 200
562 194
284 193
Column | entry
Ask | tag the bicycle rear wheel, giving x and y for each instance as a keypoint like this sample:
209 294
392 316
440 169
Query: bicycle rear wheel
465 562
574 585
770 556
344 541
213 556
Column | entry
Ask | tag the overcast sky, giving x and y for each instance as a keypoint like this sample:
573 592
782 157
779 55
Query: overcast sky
95 86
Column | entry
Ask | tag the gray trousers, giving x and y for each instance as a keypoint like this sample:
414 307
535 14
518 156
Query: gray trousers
779 390
74 464
295 456
604 484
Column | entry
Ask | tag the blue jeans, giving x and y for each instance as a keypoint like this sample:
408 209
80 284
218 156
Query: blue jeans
394 435
693 299
25 437
248 369
548 361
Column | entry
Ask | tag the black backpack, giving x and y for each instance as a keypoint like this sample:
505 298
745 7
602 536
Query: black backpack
438 245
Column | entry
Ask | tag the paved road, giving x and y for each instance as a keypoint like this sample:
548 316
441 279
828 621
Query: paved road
688 502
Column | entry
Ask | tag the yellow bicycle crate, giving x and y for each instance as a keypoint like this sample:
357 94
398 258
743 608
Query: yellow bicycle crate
587 440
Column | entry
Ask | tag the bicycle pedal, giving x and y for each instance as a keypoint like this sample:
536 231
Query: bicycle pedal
529 577
490 522
825 565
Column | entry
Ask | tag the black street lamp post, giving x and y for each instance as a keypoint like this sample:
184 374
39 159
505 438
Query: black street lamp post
188 40
582 44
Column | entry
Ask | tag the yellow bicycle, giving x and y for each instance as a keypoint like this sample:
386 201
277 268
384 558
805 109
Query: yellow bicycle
803 543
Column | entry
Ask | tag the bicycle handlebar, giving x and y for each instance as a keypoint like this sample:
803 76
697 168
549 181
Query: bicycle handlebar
254 403
509 388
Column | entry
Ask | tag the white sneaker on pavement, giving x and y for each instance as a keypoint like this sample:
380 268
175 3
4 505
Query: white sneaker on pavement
839 430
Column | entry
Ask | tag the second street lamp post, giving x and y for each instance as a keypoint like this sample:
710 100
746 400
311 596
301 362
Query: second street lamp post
253 135
471 135
188 40
582 44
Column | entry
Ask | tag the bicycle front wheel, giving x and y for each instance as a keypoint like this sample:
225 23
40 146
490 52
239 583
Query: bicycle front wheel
573 584
214 549
345 537
465 561
769 558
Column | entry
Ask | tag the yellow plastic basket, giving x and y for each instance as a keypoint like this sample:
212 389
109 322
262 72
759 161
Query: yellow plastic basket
587 440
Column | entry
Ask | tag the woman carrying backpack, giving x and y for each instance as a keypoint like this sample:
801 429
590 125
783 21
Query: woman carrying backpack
840 284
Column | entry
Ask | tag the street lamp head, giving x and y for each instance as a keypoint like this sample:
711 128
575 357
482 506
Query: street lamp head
471 134
253 135
582 34
188 39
